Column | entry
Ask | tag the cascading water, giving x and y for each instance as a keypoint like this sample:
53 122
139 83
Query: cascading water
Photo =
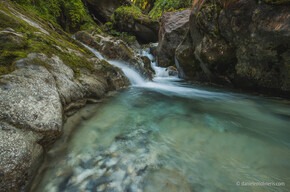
132 75
181 72
166 135
159 71
162 82
95 52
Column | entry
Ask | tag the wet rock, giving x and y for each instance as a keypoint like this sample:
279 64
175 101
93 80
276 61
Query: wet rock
174 26
239 43
108 46
33 99
188 66
172 71
116 49
153 49
20 155
154 183
262 43
123 166
147 63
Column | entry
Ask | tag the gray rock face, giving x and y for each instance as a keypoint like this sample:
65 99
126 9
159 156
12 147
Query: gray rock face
242 43
20 155
29 99
261 38
32 102
174 26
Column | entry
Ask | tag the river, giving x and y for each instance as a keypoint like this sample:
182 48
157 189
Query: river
169 135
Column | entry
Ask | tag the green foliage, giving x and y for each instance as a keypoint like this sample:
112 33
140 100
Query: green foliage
144 5
161 6
123 35
35 43
127 14
28 39
108 26
70 14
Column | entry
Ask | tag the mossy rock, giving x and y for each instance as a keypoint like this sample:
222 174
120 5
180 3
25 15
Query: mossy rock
22 39
129 14
161 6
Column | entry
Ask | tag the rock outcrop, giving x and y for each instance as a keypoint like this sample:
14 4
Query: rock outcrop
33 99
104 9
174 26
131 19
116 50
44 77
244 44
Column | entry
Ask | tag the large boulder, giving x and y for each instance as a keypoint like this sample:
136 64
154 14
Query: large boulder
261 34
131 19
33 100
104 9
241 43
20 156
174 26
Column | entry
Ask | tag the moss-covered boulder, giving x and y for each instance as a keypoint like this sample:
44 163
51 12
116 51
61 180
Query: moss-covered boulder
132 20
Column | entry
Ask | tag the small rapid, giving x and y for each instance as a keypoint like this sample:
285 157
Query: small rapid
168 135
162 82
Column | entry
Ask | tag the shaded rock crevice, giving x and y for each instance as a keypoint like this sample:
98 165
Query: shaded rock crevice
242 44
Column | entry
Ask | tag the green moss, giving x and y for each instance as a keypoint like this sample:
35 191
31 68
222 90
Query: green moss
162 6
108 26
29 39
71 15
123 35
36 43
129 14
6 21
37 61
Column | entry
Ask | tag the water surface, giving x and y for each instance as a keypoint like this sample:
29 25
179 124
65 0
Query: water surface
168 135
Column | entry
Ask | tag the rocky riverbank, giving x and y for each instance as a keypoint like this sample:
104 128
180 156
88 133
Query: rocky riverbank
242 44
45 76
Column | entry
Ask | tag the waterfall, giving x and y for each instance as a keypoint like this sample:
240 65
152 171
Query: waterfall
162 82
132 75
95 52
181 73
159 71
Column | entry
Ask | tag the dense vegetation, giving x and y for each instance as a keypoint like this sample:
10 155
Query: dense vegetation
30 40
70 14
157 7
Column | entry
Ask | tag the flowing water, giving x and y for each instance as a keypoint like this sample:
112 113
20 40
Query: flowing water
168 135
